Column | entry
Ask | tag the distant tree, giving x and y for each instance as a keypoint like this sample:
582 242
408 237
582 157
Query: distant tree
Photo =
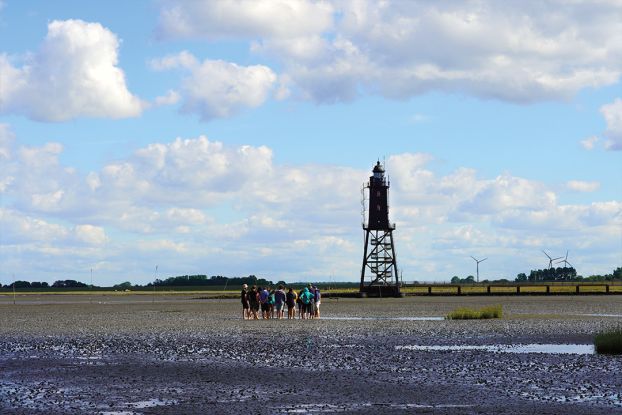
522 277
68 284
22 284
36 284
617 273
470 279
123 286
455 279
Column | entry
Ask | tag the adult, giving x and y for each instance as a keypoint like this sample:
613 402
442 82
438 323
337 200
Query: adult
317 300
253 302
271 301
264 295
311 305
290 299
300 305
279 301
245 304
307 299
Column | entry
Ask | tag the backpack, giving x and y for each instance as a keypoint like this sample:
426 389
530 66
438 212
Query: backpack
306 297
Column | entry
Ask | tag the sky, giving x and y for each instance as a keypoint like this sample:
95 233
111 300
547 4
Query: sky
233 137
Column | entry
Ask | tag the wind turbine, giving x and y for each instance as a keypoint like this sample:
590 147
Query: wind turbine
477 261
551 259
565 261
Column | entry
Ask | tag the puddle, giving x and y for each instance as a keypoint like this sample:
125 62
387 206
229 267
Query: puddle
346 407
434 318
509 348
150 403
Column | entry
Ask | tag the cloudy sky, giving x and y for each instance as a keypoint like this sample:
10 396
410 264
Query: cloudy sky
232 137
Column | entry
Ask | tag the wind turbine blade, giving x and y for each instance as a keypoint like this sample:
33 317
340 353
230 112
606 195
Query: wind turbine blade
483 260
544 252
473 258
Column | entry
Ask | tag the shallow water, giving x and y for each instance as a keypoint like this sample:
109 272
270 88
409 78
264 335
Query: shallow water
432 318
508 348
333 408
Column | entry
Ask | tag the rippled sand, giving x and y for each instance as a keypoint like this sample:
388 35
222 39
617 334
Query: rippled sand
127 355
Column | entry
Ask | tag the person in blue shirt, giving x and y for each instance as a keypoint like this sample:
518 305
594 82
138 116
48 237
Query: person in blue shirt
264 295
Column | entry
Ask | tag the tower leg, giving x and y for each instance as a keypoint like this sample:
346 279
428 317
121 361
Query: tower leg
362 285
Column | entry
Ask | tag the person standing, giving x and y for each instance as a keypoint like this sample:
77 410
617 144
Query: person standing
307 299
317 301
245 304
253 301
279 301
271 301
291 298
264 295
300 305
311 306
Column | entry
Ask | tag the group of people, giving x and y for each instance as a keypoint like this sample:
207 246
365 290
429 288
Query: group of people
272 302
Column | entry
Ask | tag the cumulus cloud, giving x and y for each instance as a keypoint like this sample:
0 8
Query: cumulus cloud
203 206
219 89
334 51
613 116
171 98
244 18
74 73
582 186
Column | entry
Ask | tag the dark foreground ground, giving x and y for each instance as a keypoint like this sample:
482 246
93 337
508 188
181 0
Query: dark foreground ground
126 355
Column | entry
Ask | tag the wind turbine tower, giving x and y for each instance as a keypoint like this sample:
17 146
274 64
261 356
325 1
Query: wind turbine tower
565 261
551 259
477 261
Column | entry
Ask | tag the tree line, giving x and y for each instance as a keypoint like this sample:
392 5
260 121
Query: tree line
548 274
178 281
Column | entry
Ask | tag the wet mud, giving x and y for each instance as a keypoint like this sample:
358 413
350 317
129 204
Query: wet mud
197 356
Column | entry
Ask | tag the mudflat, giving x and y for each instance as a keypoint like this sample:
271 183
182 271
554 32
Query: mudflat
128 354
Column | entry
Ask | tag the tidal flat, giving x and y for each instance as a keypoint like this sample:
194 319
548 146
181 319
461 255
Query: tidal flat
129 354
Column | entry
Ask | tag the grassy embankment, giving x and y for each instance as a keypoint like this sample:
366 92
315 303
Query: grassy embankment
609 342
493 311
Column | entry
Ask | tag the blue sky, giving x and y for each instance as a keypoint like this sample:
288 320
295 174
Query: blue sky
232 137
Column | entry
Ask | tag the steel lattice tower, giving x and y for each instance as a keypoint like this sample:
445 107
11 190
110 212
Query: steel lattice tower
379 250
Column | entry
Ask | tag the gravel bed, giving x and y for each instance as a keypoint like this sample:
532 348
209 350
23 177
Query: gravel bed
125 355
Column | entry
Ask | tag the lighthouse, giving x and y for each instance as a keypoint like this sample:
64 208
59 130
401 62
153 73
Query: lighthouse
379 271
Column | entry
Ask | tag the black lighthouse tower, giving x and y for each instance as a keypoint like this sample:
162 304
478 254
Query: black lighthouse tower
379 271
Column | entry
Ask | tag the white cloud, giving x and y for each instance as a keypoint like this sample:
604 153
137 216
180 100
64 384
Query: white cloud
6 141
17 227
219 89
334 51
73 74
171 98
94 235
244 18
582 186
509 193
200 205
613 116
589 142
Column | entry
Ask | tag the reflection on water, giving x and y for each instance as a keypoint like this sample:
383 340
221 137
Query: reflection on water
434 318
509 348
349 407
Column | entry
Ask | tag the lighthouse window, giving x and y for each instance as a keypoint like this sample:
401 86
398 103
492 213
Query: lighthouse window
378 208
378 193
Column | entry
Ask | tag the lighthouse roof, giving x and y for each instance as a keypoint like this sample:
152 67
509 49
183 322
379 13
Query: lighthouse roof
378 168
